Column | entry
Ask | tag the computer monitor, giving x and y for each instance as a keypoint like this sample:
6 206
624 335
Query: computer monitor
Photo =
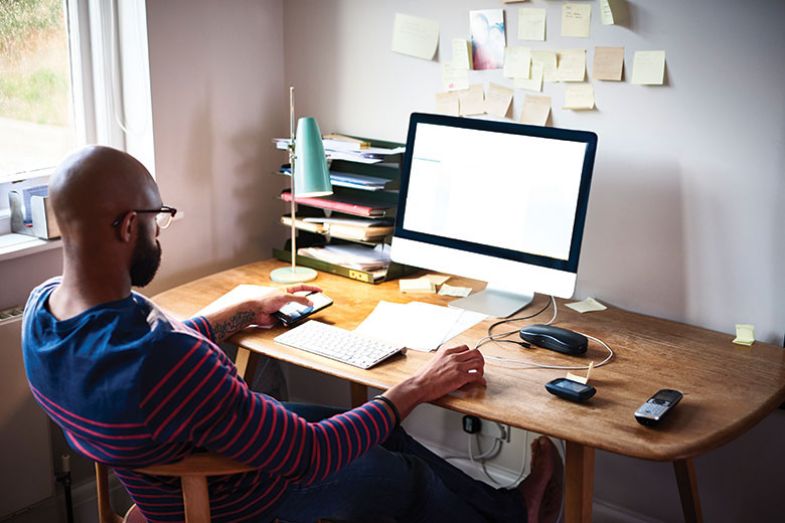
494 201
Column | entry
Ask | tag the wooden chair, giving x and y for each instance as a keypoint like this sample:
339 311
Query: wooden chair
193 472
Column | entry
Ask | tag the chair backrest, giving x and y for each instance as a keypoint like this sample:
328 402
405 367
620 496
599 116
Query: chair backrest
193 472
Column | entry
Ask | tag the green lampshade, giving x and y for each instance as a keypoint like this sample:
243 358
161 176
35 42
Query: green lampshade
311 175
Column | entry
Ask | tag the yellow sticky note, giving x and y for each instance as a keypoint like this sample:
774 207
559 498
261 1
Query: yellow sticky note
531 84
461 53
587 305
454 78
536 110
498 100
516 62
579 97
648 68
423 285
447 103
745 334
572 65
608 63
437 279
548 61
575 19
531 23
606 12
415 36
472 100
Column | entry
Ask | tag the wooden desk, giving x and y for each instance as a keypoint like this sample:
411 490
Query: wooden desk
727 388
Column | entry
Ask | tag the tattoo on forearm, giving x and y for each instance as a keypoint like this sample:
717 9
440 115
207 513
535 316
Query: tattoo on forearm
234 323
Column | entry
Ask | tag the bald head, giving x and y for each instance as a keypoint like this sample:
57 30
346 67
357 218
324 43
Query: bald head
97 184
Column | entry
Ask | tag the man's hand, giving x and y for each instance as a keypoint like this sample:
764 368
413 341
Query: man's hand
449 370
265 306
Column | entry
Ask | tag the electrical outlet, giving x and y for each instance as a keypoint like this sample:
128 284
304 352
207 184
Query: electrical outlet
500 431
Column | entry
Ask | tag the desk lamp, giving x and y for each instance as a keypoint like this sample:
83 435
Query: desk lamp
310 178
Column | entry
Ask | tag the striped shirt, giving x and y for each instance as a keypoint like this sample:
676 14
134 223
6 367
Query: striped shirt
131 386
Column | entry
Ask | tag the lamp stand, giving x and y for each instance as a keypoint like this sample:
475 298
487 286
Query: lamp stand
292 274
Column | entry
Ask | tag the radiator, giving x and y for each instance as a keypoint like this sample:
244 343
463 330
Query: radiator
26 475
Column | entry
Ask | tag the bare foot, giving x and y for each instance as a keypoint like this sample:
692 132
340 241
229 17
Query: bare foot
542 490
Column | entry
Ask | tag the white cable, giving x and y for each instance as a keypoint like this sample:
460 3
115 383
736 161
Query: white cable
520 364
555 311
491 453
514 483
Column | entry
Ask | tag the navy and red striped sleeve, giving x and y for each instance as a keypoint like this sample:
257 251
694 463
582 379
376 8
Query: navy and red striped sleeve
196 396
202 326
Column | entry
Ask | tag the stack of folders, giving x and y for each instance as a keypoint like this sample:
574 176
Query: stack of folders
356 257
345 203
359 229
339 147
362 182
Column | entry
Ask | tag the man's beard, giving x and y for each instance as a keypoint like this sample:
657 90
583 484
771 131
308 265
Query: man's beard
145 262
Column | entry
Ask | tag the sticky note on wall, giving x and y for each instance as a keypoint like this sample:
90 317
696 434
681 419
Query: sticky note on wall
575 20
608 63
498 100
648 68
572 65
447 103
531 23
536 110
415 36
579 97
472 100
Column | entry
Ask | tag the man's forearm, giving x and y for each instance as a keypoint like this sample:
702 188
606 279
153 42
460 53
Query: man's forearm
230 320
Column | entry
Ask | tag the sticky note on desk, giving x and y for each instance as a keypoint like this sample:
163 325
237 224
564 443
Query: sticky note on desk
423 285
415 36
437 279
587 305
459 292
648 68
745 334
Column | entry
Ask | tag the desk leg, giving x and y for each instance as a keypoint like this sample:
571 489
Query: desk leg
246 361
579 484
359 394
688 490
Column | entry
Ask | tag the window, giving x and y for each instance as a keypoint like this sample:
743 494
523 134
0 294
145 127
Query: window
69 72
36 110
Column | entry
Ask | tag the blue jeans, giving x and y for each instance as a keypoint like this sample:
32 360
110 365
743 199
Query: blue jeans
400 480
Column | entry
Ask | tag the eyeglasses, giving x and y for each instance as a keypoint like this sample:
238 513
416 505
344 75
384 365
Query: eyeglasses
163 216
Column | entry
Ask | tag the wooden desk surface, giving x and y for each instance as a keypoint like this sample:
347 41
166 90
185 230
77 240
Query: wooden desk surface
727 388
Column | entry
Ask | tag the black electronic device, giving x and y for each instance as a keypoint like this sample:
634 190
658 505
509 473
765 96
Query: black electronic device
651 412
570 390
555 338
294 312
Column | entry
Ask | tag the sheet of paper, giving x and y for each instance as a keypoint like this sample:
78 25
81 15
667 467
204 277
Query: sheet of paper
572 65
531 23
579 97
587 305
237 295
421 285
461 53
516 62
498 100
548 61
415 325
536 110
531 84
648 67
745 334
575 20
608 63
454 78
606 12
447 103
472 100
415 36
458 292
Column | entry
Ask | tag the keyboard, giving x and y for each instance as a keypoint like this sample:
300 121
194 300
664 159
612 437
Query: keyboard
338 344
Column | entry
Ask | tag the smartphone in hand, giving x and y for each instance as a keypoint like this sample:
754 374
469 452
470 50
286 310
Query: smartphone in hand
294 312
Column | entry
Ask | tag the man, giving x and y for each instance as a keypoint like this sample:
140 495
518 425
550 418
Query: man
131 386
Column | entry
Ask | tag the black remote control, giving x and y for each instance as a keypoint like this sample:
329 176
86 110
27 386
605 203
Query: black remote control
651 412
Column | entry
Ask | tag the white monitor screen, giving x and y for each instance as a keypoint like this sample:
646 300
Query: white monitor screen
511 191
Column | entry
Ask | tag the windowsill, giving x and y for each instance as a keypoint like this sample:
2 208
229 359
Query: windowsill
15 245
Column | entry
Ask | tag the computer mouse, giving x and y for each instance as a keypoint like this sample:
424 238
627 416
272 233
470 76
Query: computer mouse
555 339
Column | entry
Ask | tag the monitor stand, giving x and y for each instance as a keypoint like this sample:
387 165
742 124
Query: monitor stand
494 301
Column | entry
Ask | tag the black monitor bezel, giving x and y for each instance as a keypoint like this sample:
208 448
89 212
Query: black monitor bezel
586 137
